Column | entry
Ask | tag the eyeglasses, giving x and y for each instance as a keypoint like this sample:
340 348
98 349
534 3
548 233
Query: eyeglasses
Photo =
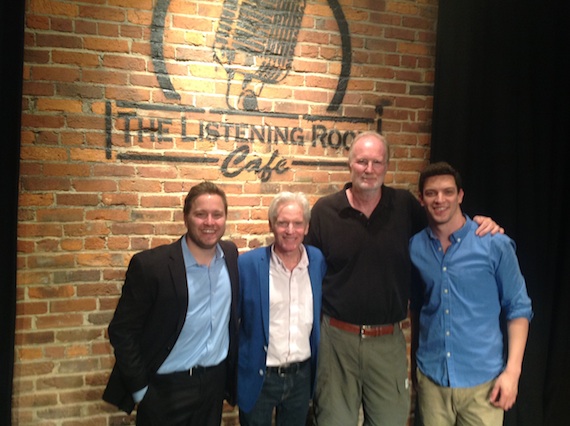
364 162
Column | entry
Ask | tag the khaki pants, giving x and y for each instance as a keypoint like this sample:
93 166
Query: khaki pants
442 406
354 371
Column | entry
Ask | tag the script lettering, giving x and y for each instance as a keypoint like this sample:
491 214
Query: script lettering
240 160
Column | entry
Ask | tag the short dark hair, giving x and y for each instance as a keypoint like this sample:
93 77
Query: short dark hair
201 189
438 169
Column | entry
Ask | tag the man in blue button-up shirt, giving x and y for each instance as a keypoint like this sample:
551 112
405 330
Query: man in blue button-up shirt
464 285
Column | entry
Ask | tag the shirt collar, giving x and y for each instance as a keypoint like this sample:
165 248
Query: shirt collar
189 259
457 235
303 262
384 200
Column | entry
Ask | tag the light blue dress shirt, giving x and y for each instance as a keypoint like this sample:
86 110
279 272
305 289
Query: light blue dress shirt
204 339
463 293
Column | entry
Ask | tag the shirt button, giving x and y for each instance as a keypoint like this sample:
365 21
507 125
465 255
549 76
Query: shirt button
260 372
445 291
449 354
444 268
447 333
447 311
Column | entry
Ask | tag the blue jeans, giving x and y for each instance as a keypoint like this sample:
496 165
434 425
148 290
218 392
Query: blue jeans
288 393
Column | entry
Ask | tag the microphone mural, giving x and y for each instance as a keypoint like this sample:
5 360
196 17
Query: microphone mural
255 42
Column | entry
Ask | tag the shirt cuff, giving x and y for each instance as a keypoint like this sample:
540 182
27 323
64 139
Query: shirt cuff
139 395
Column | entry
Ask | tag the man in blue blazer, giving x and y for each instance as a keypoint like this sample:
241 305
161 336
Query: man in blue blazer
280 302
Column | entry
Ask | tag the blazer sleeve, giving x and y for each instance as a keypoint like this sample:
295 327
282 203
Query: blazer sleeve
142 330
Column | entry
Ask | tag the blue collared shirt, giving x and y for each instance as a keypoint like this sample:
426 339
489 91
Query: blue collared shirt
204 339
463 292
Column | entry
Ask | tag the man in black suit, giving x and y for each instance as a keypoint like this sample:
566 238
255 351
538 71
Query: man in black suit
175 328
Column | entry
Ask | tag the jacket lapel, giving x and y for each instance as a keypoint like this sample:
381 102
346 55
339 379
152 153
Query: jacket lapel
178 279
263 274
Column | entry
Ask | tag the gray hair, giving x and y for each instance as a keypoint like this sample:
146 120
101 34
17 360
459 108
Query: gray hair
286 197
368 134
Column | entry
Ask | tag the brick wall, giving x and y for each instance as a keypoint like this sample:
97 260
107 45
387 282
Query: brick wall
128 103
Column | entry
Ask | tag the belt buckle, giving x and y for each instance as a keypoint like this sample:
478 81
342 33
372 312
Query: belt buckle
363 329
195 370
282 369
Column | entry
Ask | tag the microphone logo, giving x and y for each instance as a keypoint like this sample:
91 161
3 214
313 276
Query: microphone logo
255 42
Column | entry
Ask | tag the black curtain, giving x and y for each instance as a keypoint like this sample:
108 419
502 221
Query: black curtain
500 111
11 43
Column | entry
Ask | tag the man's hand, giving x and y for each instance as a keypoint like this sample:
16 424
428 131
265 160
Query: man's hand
504 393
486 225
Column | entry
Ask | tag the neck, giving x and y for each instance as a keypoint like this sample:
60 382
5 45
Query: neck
443 231
203 256
364 201
290 258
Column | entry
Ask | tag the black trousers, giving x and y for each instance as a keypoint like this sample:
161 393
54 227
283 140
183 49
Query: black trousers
182 399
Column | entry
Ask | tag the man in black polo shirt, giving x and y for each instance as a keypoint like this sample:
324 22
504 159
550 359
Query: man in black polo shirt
363 231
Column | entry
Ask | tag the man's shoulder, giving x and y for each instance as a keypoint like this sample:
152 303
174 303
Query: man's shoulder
399 194
162 250
333 200
254 254
314 252
228 245
497 242
229 248
419 237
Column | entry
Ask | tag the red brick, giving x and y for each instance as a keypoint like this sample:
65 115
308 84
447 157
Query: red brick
53 322
83 213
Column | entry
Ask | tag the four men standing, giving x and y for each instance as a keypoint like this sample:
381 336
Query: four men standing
363 232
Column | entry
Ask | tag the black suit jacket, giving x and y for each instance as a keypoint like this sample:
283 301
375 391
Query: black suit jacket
150 315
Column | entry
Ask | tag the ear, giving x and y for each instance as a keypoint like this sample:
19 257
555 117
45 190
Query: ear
421 199
460 195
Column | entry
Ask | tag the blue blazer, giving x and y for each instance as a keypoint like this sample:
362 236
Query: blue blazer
254 321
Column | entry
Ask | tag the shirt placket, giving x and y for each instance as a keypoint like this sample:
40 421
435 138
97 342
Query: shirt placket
448 312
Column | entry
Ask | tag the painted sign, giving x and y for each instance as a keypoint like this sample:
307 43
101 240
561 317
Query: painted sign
254 42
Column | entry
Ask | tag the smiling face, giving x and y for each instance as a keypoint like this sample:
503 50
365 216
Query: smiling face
206 221
289 228
368 164
442 200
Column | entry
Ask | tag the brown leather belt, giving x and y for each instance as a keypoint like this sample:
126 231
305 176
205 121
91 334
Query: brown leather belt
363 330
